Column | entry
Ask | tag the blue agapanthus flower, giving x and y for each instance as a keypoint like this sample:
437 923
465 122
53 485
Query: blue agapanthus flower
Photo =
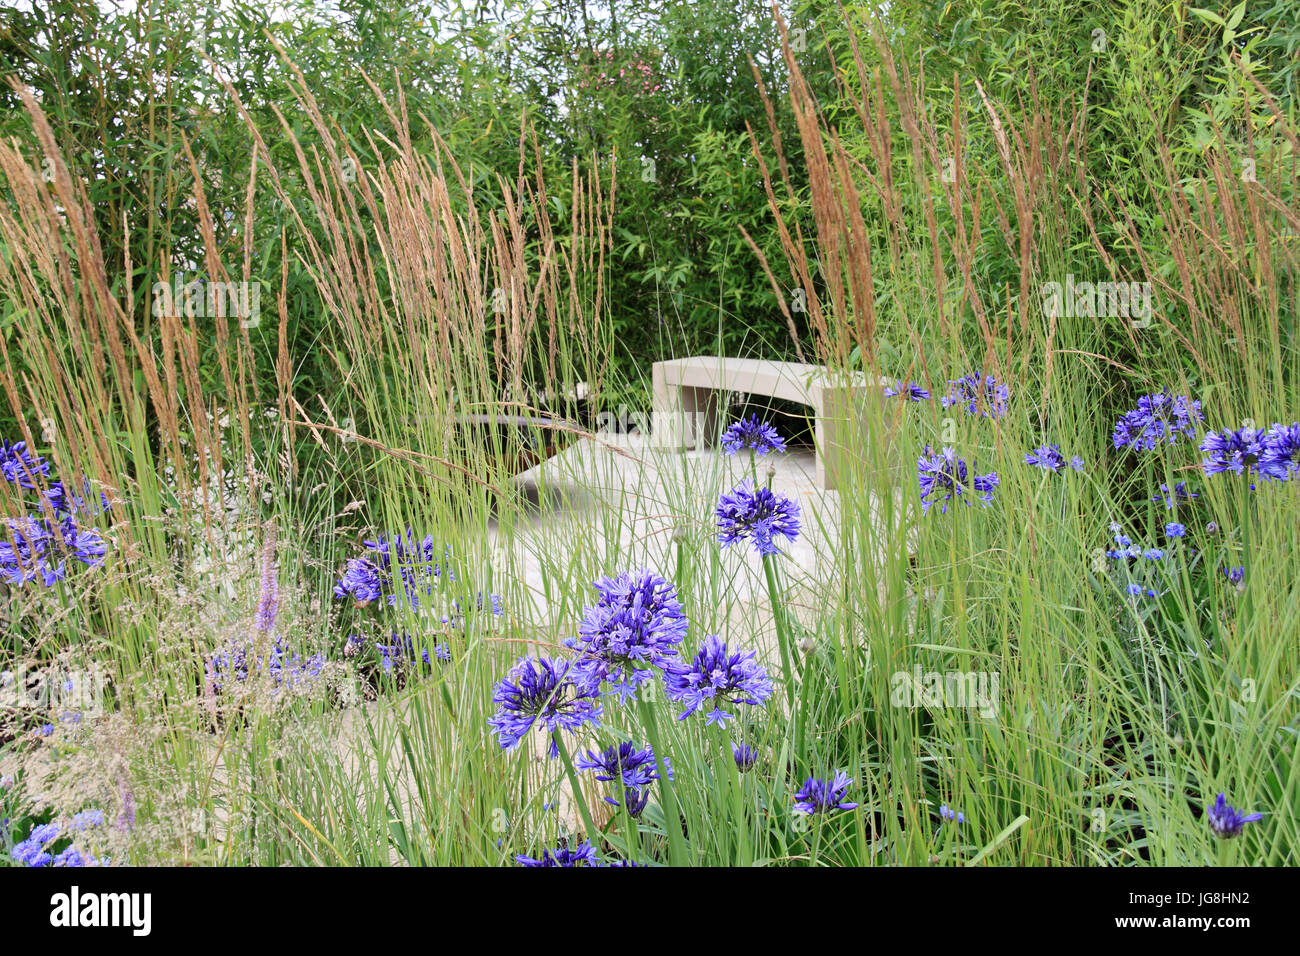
584 854
86 819
758 515
1280 460
1159 418
822 796
635 626
1235 451
978 394
20 466
238 661
952 816
66 503
1235 575
1179 495
910 391
944 477
745 756
398 568
33 851
1050 458
1175 530
716 677
541 689
401 652
72 857
1226 821
361 581
36 549
751 433
635 769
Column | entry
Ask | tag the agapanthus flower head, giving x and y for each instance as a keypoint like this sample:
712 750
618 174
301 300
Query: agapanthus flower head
823 796
1226 821
361 581
1175 530
1127 551
34 850
397 567
745 756
72 857
86 819
909 391
952 816
1235 575
66 503
716 677
1050 458
584 854
30 853
20 466
751 433
1171 499
634 769
541 689
1280 457
978 394
1159 418
34 549
238 662
401 651
943 478
1235 451
635 625
759 515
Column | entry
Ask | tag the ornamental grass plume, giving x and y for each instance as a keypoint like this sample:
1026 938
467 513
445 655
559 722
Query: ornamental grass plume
268 602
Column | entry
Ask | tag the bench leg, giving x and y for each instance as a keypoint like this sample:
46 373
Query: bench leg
837 432
685 416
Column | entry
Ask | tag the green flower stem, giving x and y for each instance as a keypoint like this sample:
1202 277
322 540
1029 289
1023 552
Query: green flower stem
672 819
782 626
1244 520
593 832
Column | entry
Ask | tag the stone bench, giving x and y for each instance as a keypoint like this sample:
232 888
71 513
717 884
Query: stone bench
687 393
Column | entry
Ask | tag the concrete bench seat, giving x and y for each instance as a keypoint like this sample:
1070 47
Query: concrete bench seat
687 394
